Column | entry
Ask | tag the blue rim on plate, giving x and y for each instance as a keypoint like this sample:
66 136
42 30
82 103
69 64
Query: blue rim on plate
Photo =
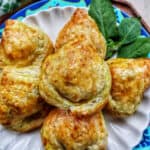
42 5
37 5
22 12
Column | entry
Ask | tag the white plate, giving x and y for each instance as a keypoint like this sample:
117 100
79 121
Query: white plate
123 134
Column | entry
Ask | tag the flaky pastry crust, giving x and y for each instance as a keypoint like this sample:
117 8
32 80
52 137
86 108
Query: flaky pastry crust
62 130
81 24
130 78
22 51
76 78
23 45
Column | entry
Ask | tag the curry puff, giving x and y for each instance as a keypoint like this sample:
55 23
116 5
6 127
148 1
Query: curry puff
130 78
76 77
23 45
81 24
23 49
64 131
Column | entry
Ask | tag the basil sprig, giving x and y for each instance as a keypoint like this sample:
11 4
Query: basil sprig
129 30
138 48
125 38
102 12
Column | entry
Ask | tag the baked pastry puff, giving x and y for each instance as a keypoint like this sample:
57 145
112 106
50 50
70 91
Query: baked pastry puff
81 24
130 78
23 45
62 130
23 49
76 78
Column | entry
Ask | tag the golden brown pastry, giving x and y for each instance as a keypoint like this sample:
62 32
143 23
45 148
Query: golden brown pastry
20 100
23 45
81 24
130 78
76 78
23 50
62 130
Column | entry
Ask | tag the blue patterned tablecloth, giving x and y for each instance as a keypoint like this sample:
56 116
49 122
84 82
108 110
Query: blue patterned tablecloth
45 4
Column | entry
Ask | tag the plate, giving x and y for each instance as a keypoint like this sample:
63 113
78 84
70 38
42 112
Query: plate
46 4
123 134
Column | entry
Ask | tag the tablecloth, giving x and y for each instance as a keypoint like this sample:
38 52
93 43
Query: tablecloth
8 5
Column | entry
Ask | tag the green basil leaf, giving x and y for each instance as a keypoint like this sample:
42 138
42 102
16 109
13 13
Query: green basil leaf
139 48
109 54
103 14
112 47
129 30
